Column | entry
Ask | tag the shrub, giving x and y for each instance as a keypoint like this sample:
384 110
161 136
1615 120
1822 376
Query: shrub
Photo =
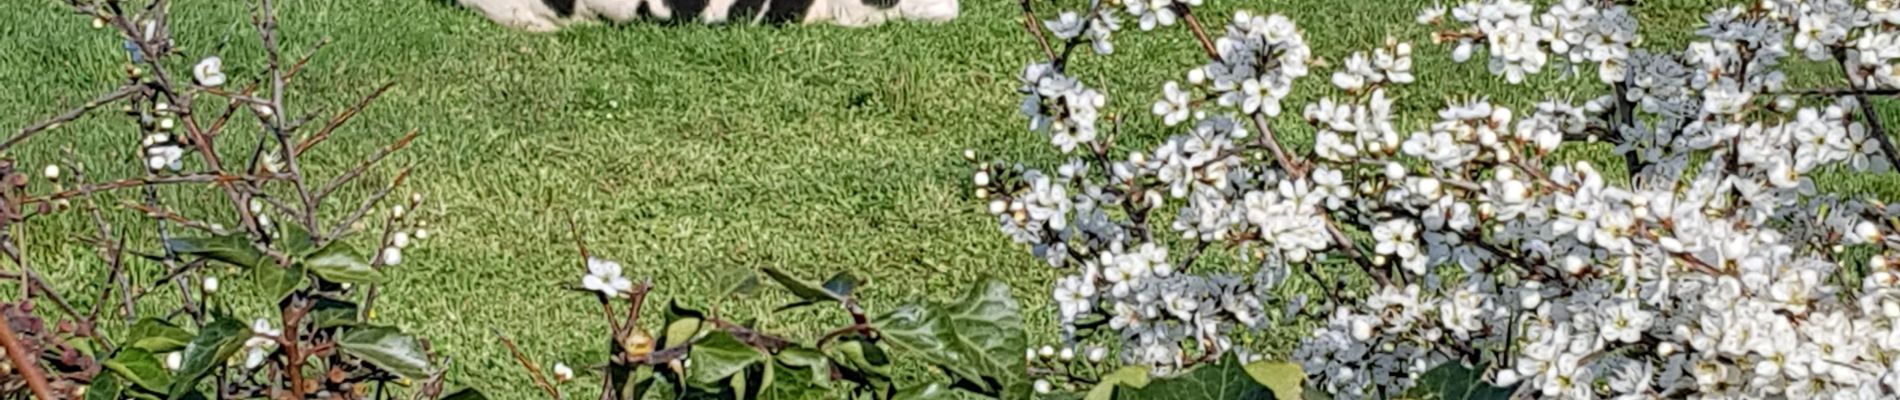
266 223
1705 263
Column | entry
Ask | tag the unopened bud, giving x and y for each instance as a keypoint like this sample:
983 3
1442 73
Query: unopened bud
52 171
211 284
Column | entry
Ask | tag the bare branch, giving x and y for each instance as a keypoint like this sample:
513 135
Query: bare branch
69 115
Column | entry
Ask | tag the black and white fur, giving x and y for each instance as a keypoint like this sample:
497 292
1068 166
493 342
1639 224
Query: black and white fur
550 15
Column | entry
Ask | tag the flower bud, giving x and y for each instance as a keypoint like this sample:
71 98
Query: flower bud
392 256
982 178
1574 265
211 284
1507 376
173 360
1867 231
98 23
997 207
562 373
1361 330
422 234
969 154
397 212
1043 386
166 124
1067 354
400 240
1665 349
1046 352
1097 354
1197 76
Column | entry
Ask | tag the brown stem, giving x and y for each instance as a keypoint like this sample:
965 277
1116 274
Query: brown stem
368 203
342 118
534 370
293 316
1200 34
267 27
69 115
23 362
1874 126
365 165
1272 144
1029 22
84 190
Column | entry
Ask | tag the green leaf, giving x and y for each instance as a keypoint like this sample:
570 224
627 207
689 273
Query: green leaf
681 331
719 356
935 391
328 313
739 282
277 282
980 336
801 288
465 394
231 249
215 343
104 387
388 348
1226 379
296 239
158 336
1454 381
815 363
1284 378
789 382
682 324
340 263
139 367
863 357
1134 376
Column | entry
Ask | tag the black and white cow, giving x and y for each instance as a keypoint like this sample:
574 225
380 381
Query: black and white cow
550 15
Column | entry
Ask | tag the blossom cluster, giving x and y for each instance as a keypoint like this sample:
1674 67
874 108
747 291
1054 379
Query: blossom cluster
1708 265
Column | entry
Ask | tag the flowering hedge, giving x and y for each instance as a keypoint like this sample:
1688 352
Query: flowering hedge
1706 264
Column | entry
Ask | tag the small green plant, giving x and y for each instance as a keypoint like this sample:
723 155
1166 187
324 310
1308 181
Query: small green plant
261 231
974 347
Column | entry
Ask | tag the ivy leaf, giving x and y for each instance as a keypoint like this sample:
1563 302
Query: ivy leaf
814 364
231 249
139 367
682 324
1226 379
340 263
1453 381
388 348
805 290
215 343
720 356
104 387
329 313
1285 379
934 391
1134 376
465 394
158 336
277 282
978 339
863 357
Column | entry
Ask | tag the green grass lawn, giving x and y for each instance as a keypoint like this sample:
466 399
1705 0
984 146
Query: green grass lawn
682 150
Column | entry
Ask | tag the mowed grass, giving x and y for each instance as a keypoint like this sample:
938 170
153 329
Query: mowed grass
682 150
